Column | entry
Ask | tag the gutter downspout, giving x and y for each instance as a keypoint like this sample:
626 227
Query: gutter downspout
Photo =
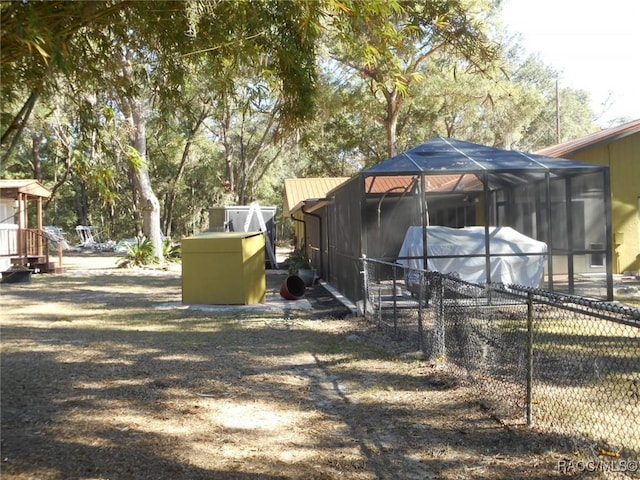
315 215
304 228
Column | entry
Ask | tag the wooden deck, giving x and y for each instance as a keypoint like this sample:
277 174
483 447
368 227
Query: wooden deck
30 248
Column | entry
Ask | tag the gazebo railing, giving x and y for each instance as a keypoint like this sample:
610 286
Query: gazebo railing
36 244
8 240
28 245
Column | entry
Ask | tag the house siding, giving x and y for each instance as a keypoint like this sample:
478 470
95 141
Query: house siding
622 156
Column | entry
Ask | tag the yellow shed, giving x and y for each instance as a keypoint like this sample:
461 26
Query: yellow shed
224 268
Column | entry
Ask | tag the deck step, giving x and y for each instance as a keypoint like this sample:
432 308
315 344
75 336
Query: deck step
31 260
51 267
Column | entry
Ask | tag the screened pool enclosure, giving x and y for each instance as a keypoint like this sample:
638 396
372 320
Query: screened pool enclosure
496 216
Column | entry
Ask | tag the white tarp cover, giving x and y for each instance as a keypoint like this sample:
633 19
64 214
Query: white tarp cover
522 270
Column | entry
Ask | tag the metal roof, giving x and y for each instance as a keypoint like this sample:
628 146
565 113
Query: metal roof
297 190
602 137
442 155
29 186
433 183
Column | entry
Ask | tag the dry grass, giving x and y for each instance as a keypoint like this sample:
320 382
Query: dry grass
100 380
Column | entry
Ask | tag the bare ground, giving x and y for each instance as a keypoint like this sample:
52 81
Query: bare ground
105 375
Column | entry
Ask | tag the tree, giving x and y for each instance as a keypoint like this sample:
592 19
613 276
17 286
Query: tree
388 43
40 39
344 136
77 39
252 132
190 135
159 107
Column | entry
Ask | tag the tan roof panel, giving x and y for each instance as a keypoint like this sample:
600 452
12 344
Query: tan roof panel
296 190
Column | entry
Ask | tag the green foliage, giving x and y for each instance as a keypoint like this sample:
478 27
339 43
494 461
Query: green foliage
139 254
388 43
171 251
298 260
346 134
132 154
226 103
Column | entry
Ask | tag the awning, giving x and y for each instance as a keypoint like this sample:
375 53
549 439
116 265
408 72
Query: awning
29 187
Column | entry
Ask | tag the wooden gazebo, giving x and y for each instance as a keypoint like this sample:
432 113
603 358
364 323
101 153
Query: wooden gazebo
20 244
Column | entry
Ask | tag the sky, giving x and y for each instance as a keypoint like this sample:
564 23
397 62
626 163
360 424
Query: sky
593 44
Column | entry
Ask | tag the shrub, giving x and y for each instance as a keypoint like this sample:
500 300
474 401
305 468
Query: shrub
139 253
298 260
171 251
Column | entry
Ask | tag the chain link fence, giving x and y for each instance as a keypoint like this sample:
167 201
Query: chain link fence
563 363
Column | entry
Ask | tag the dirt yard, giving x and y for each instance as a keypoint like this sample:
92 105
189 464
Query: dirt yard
106 375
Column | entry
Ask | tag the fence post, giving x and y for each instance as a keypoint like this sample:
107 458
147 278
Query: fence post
530 359
365 287
440 350
420 326
395 304
379 293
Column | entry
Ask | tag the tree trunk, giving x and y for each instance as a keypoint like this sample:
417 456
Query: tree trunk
229 177
135 201
17 125
394 102
136 108
82 204
36 162
150 205
173 188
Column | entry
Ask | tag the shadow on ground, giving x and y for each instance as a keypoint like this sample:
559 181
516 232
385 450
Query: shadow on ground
132 392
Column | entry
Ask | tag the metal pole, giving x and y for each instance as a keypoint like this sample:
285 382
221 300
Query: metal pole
424 220
379 307
608 232
365 287
530 359
549 239
421 294
395 307
568 200
440 333
487 219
